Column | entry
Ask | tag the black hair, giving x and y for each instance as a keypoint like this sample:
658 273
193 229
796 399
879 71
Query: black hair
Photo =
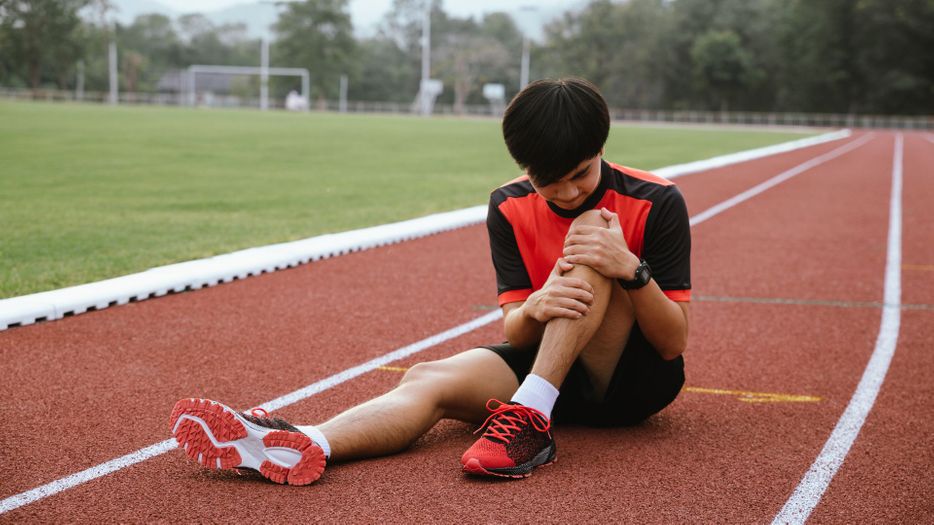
551 126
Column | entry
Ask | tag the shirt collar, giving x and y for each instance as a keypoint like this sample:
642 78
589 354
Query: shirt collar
592 199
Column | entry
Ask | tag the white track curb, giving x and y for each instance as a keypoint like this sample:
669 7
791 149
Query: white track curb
191 275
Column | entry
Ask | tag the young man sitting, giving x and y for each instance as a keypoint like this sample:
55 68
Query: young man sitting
592 265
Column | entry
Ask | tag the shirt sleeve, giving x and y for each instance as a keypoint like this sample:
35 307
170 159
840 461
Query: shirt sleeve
668 245
512 279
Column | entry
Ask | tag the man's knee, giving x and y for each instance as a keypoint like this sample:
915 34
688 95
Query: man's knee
426 372
591 218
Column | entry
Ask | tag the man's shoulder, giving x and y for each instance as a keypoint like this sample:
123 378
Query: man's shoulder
641 184
640 175
516 188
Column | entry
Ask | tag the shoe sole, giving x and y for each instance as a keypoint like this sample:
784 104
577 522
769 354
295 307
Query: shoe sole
543 459
217 437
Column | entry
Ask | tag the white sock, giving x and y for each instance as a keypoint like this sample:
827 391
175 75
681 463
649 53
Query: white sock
316 436
536 392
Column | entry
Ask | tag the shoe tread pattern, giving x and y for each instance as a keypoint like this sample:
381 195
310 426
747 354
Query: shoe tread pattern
309 467
191 436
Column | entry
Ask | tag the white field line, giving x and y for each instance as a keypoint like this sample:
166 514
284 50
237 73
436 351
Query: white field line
678 170
156 282
811 488
59 485
49 489
776 180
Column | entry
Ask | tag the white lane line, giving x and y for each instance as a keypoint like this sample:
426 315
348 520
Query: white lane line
811 488
776 180
59 485
211 271
49 489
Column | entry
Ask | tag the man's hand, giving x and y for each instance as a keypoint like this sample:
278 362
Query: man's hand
603 249
560 296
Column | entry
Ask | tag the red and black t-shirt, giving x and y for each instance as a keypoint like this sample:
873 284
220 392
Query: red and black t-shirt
527 232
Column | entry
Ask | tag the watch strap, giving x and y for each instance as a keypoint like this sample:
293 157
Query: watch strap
643 275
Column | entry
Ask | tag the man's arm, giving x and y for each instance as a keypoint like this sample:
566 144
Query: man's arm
521 329
663 322
568 297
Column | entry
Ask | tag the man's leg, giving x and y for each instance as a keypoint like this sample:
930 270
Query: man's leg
597 343
457 387
518 440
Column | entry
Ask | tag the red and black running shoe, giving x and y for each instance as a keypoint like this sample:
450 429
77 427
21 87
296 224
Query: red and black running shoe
517 439
218 437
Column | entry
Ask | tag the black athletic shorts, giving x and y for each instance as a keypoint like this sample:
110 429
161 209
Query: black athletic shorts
642 384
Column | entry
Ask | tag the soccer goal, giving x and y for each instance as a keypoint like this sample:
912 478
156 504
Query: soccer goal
264 73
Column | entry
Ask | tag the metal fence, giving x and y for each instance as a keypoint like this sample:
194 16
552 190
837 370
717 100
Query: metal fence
741 118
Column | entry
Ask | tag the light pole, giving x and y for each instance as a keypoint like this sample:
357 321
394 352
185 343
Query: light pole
264 75
524 72
425 102
79 81
112 66
526 46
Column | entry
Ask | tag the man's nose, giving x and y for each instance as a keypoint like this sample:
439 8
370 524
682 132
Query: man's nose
568 192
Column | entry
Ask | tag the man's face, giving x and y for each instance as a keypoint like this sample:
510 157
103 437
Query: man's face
573 189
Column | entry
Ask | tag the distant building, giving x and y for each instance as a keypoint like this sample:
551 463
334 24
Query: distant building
176 81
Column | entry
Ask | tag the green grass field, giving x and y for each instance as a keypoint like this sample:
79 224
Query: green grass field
90 192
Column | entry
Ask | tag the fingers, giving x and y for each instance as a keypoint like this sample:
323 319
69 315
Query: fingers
583 229
574 288
612 218
561 267
564 266
555 313
583 260
585 255
572 240
565 307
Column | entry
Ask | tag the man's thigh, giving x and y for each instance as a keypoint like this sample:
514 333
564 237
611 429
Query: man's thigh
601 355
471 378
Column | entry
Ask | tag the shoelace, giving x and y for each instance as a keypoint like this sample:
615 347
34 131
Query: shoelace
261 417
506 419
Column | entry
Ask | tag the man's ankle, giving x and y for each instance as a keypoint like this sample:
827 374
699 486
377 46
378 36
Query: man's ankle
536 392
316 436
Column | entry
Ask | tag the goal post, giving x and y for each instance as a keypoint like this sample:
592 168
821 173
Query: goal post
196 69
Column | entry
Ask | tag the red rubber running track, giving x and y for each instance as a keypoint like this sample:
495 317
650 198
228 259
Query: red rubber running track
788 292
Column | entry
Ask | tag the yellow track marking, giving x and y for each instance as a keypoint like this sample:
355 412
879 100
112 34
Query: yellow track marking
742 395
755 397
393 368
929 267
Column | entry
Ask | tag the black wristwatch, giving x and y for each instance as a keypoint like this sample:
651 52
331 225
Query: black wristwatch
642 277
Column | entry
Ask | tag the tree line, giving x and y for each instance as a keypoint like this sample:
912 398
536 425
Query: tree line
830 56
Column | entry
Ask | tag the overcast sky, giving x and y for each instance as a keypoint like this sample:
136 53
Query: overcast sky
367 12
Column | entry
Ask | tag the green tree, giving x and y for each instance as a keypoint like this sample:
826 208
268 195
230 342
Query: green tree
819 72
149 47
722 67
469 54
895 60
42 38
205 43
584 43
318 35
385 72
465 53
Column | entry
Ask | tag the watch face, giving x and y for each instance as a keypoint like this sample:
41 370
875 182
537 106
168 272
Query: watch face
642 274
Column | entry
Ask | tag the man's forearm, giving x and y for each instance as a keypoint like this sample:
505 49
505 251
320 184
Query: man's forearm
661 320
521 329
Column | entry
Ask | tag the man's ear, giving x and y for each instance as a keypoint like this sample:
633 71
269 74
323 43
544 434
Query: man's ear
603 151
